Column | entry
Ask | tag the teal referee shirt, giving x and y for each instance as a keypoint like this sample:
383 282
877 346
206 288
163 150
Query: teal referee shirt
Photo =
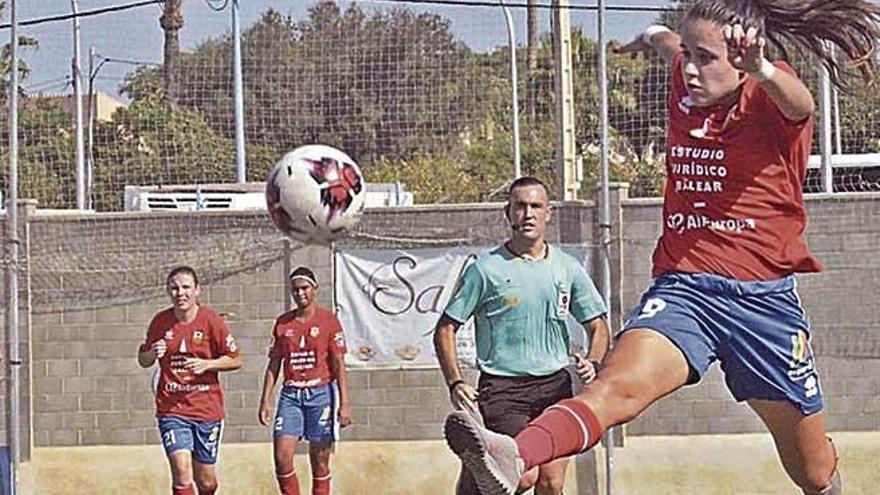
520 307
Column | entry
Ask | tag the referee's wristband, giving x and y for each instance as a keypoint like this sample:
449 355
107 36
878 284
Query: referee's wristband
454 384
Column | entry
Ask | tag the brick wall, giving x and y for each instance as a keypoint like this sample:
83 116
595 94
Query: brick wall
88 389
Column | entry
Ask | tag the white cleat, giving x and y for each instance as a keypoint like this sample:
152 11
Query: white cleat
492 458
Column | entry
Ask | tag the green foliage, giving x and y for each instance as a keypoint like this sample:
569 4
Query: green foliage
150 144
393 88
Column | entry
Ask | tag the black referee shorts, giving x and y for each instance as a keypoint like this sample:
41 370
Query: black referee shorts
509 403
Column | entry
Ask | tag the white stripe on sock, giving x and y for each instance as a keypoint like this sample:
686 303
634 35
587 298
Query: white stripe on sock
584 428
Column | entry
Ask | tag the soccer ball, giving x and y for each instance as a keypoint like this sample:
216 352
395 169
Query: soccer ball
315 193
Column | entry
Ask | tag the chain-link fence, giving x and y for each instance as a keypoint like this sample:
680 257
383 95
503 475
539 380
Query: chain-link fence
417 92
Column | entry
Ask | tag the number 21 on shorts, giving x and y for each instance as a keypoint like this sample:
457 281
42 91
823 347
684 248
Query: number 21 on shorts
652 307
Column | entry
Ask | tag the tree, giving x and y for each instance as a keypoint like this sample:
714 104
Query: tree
391 83
171 22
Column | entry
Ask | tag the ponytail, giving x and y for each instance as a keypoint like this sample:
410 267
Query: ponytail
811 26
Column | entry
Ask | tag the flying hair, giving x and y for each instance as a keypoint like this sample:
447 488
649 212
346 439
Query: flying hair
811 26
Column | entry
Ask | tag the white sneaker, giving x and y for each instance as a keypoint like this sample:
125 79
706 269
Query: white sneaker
492 458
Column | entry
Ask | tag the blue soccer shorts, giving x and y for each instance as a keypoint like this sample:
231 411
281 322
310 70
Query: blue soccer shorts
757 330
308 412
202 438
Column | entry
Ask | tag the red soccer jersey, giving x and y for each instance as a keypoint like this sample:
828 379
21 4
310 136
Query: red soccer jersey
306 347
733 201
181 392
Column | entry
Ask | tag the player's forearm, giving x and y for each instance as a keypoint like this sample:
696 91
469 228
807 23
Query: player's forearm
600 338
270 377
340 374
226 363
444 347
789 94
666 43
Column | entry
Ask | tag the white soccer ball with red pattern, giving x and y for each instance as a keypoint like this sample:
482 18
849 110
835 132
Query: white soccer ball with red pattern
315 194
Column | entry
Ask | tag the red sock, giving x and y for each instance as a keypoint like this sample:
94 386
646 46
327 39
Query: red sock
189 489
563 429
288 483
321 483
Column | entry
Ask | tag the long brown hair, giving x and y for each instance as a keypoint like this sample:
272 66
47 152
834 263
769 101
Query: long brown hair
851 25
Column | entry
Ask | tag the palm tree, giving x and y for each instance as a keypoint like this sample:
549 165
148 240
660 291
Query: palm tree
171 21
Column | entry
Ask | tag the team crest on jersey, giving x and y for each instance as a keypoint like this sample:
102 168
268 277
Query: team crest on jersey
288 333
197 337
314 332
169 334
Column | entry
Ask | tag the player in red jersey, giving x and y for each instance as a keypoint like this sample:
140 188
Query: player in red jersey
738 140
309 342
192 344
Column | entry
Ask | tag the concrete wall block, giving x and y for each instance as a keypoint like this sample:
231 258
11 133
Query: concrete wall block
111 314
131 333
115 349
424 378
425 414
402 397
62 367
74 317
434 396
93 402
63 437
48 350
48 421
423 431
77 385
262 293
358 379
142 313
112 420
254 434
56 403
128 436
217 294
124 366
48 386
79 420
367 397
78 350
384 416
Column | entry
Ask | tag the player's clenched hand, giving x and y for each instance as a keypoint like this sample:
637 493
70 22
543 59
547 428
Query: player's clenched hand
265 414
345 416
463 397
159 348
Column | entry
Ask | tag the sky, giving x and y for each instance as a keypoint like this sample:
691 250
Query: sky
135 36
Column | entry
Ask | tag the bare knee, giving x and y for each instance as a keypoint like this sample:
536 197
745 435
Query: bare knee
818 484
832 487
207 484
819 472
614 399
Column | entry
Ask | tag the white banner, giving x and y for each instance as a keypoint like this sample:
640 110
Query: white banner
389 302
